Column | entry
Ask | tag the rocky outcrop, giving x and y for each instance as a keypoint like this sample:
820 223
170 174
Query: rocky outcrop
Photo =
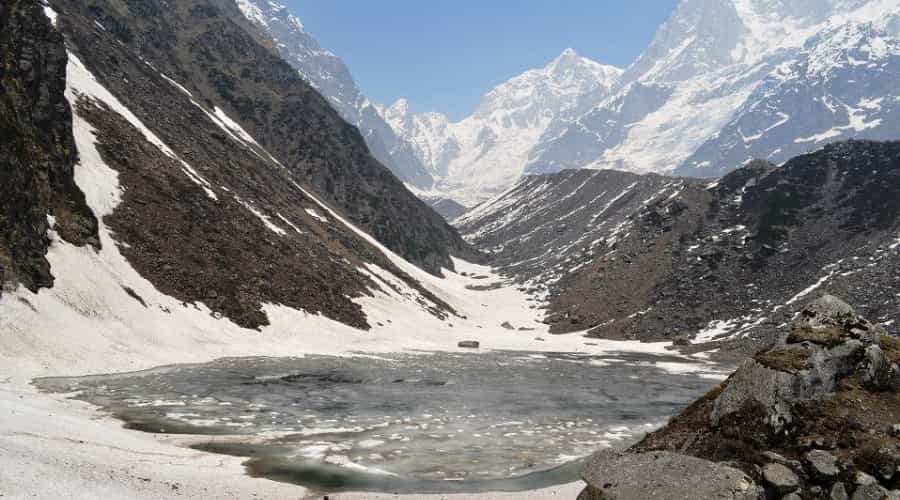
37 151
811 416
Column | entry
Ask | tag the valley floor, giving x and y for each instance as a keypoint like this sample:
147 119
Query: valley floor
53 447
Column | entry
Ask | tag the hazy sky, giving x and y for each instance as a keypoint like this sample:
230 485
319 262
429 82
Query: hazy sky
443 55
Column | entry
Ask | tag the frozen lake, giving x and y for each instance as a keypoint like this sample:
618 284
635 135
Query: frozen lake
435 423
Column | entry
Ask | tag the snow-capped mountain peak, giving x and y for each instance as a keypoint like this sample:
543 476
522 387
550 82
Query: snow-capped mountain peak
484 153
538 93
710 60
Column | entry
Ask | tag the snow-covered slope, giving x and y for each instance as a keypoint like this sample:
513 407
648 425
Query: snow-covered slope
842 85
696 77
328 74
485 153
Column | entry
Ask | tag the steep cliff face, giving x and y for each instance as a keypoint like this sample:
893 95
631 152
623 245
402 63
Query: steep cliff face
37 151
211 50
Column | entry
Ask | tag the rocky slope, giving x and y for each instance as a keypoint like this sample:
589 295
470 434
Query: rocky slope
328 74
216 175
813 416
211 51
658 257
546 227
37 189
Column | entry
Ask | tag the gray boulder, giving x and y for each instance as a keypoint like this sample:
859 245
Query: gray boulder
838 492
870 491
782 479
822 465
662 476
881 374
823 312
805 369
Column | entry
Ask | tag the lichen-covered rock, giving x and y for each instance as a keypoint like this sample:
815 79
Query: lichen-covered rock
870 491
827 385
783 376
825 344
823 312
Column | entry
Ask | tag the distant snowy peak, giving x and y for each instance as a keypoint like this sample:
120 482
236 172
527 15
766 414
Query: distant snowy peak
862 45
538 93
326 72
262 13
704 36
699 36
714 59
429 134
486 152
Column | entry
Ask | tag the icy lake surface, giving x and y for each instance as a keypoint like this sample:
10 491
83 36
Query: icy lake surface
405 422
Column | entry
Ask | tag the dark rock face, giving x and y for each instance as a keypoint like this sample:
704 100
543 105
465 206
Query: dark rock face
213 51
804 415
37 150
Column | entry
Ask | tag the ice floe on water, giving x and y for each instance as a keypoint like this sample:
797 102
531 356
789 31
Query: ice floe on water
400 420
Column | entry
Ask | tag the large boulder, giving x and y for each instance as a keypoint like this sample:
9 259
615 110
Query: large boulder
826 343
822 465
780 478
663 476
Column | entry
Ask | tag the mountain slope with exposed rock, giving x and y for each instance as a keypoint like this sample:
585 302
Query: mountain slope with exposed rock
186 159
226 67
38 151
664 258
328 74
